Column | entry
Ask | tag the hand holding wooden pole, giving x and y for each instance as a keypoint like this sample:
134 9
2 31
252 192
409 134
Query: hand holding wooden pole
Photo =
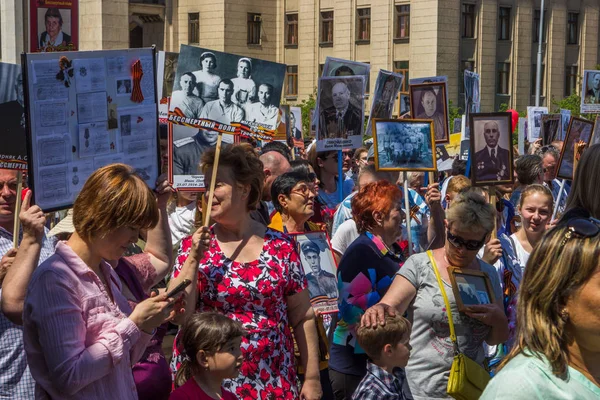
17 221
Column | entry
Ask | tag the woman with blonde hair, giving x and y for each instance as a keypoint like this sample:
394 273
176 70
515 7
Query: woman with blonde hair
469 223
557 347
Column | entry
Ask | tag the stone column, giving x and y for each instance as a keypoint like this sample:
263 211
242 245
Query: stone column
521 62
103 24
589 35
11 30
486 52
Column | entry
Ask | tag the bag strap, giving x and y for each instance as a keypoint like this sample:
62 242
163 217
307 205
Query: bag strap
446 302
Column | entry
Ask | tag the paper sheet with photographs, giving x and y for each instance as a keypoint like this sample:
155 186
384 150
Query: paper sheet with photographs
580 130
590 92
447 153
387 86
166 68
226 93
534 122
320 269
341 105
472 97
491 149
13 152
551 126
429 100
87 110
340 67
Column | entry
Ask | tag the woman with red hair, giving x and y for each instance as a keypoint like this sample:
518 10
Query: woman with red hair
365 272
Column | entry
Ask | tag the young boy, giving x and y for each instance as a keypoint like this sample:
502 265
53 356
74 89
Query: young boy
387 347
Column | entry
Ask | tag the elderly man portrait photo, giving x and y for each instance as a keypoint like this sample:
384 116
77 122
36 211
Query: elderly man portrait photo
263 111
592 95
320 282
429 102
492 162
339 118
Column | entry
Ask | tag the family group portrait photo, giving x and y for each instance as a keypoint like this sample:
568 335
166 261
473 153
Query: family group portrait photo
404 145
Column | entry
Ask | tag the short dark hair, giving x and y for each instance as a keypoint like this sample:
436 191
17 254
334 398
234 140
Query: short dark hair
300 165
268 86
226 81
459 167
53 13
374 338
284 184
278 147
344 69
529 168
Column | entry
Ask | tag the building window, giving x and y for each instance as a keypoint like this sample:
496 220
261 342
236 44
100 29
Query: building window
571 80
327 27
401 67
573 28
468 20
363 24
533 79
194 28
503 78
536 27
504 24
465 65
291 29
254 23
291 81
402 22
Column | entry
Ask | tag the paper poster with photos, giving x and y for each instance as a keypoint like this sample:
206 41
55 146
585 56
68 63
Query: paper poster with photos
471 288
534 122
472 98
387 86
226 93
166 68
551 125
341 112
404 145
590 92
580 131
491 149
429 101
295 131
447 153
53 25
13 152
79 122
320 269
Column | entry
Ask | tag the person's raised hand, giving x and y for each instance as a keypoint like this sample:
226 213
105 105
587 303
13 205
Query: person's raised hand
492 251
376 315
163 190
533 147
32 219
432 194
488 314
154 311
200 242
6 263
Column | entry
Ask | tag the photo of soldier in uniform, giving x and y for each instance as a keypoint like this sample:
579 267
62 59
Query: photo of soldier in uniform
580 130
341 109
428 101
296 124
404 145
386 90
320 269
492 161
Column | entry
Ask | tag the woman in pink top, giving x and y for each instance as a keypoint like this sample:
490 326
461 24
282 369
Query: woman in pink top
81 337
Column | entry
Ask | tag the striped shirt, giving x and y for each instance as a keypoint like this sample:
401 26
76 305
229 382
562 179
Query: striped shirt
379 384
15 379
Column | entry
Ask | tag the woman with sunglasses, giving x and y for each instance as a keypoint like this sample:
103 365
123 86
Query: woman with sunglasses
415 290
557 347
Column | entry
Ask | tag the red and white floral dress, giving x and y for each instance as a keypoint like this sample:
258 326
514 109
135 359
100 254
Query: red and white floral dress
255 294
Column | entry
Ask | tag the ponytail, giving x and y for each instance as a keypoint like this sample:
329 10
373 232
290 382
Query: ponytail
184 373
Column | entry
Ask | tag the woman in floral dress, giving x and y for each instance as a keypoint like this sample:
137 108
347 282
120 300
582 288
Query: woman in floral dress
251 274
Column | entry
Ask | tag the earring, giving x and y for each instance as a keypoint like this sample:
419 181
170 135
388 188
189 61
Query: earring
564 315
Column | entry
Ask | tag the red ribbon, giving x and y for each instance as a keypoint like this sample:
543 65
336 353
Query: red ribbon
137 73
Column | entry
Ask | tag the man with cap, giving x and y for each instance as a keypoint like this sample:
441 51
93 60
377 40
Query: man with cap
320 283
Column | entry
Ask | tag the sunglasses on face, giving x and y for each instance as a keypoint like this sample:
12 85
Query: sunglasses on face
544 149
457 241
581 228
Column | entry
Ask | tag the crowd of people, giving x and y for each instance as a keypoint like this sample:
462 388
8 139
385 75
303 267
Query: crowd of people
87 306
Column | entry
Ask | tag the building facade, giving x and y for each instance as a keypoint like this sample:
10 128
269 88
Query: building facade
496 38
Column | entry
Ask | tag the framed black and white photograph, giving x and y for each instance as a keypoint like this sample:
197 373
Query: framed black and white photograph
320 269
341 112
124 86
470 288
404 104
428 101
404 145
580 130
296 126
534 122
238 94
13 154
386 90
491 149
551 125
340 67
590 92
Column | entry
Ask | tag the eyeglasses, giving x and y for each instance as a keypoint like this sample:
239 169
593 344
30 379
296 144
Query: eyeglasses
457 241
303 191
547 148
581 228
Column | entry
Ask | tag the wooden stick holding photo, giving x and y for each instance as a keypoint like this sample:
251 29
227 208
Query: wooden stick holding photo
493 201
407 217
340 175
17 225
213 179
